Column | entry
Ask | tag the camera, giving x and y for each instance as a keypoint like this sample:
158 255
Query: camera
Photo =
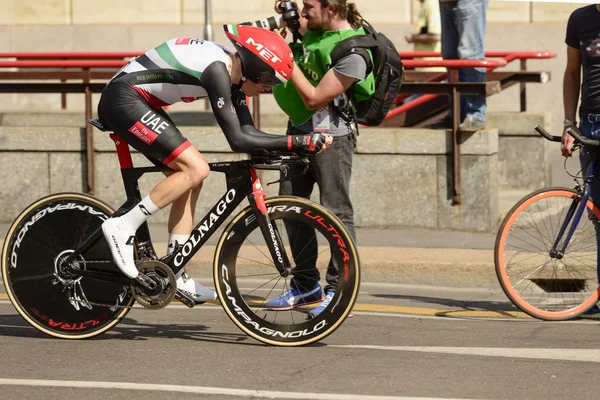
289 18
290 15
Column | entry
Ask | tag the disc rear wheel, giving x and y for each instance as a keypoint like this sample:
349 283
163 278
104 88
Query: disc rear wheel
36 276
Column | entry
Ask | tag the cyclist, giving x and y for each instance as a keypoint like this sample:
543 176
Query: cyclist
184 70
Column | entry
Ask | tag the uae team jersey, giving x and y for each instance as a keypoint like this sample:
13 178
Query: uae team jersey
172 72
185 70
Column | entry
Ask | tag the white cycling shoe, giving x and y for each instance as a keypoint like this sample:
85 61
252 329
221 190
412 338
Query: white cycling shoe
194 290
120 241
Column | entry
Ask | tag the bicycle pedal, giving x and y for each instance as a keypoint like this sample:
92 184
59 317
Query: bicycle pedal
185 299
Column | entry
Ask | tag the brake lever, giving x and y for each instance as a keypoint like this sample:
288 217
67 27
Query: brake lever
306 165
284 169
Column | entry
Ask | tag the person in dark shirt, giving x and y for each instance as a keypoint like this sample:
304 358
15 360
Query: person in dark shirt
583 54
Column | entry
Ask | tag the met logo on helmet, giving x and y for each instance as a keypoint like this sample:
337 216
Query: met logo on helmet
263 51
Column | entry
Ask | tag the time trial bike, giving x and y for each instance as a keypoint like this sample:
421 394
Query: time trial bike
60 276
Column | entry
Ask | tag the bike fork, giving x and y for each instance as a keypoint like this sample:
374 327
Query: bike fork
268 229
573 217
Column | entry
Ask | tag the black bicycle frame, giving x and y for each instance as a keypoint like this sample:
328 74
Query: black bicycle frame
242 182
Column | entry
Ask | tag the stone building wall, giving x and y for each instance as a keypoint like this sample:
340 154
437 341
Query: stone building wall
137 25
191 12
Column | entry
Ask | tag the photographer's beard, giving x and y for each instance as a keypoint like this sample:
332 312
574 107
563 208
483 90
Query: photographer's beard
316 23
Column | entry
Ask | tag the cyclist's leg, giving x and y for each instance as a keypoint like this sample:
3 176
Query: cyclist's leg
154 135
180 224
181 219
181 216
190 169
180 227
334 169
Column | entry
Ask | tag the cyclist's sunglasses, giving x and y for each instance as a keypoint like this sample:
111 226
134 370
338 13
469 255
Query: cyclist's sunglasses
267 79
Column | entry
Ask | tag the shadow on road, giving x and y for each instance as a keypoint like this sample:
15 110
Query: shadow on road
131 329
13 325
467 305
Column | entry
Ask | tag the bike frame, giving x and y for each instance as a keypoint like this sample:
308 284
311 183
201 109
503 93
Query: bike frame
575 210
242 182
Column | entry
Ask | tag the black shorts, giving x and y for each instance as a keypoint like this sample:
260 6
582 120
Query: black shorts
150 131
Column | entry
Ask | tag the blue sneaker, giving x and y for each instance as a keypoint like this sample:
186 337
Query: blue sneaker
592 313
293 298
319 309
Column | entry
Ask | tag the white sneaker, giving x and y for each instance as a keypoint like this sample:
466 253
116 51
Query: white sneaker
193 289
120 241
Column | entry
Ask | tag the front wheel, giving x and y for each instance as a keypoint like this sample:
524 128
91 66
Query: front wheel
34 274
535 274
321 252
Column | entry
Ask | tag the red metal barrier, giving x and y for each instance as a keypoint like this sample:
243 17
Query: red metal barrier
512 55
508 56
114 60
453 63
62 64
70 55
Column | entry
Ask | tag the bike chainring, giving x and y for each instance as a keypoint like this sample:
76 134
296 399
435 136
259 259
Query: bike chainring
165 281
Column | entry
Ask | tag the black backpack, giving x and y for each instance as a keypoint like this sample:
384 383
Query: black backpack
387 70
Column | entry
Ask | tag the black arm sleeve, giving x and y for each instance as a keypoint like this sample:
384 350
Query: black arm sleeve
235 120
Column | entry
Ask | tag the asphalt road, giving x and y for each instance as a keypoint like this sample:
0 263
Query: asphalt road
403 342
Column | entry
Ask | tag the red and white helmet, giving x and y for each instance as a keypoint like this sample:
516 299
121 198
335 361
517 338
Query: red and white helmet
266 56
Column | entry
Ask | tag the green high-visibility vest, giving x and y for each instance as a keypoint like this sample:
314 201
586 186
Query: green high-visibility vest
313 56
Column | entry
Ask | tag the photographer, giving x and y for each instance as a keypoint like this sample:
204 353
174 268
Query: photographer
315 100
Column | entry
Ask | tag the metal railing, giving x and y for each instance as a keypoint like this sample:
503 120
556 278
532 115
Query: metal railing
93 69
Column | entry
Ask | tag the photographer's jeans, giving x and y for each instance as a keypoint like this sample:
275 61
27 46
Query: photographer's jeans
331 171
463 32
591 130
